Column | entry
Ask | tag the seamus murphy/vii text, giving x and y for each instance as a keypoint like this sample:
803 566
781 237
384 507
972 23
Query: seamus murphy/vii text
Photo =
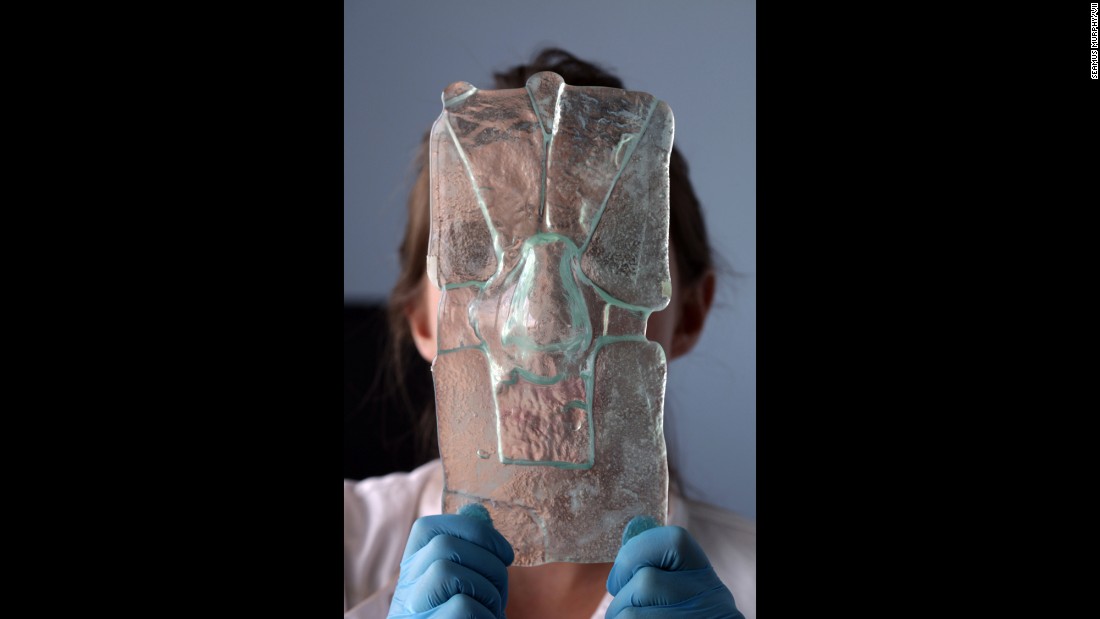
1092 37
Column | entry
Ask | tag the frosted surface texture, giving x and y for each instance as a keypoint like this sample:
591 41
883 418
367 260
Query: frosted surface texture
549 241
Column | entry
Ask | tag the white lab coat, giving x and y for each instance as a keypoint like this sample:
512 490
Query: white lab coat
379 513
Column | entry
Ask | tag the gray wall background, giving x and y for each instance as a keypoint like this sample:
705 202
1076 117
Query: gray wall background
698 55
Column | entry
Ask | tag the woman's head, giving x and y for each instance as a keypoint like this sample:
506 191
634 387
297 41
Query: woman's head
414 300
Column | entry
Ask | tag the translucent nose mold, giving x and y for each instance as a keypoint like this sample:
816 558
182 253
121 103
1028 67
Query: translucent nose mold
549 241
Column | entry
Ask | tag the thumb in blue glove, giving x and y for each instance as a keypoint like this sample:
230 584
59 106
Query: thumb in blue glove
454 566
662 571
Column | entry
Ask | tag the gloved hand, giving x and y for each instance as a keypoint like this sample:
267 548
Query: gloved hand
662 572
454 566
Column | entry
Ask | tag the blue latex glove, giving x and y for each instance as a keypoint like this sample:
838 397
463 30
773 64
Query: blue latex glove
662 572
454 566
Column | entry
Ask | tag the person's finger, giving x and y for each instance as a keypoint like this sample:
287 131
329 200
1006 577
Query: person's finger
462 552
443 580
473 530
460 606
666 548
637 524
653 587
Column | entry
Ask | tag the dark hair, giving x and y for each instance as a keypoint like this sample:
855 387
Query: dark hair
687 230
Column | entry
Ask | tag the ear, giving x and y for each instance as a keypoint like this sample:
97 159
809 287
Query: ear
694 306
421 314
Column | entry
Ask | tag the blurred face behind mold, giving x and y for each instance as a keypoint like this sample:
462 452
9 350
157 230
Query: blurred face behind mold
414 301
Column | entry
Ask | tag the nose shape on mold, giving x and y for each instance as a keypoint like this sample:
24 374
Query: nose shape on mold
547 312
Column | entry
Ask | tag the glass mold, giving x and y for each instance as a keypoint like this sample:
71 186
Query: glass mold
549 242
